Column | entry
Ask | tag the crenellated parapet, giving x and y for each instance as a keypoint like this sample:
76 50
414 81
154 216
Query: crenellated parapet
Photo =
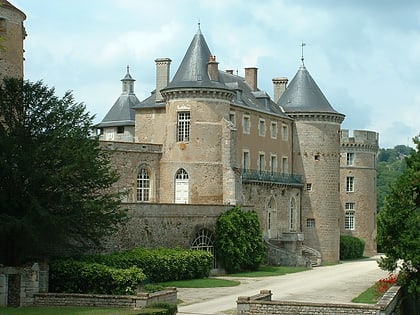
361 140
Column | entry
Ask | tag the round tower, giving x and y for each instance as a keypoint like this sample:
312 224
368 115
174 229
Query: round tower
358 191
316 151
12 34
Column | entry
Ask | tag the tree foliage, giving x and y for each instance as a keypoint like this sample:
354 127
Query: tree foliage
239 240
54 176
399 224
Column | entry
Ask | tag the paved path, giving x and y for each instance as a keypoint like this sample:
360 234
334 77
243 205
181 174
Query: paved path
339 283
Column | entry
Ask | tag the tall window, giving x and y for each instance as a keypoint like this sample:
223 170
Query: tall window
183 127
349 216
232 118
349 183
246 124
292 216
284 133
273 164
143 185
245 160
284 165
261 162
350 158
273 130
261 127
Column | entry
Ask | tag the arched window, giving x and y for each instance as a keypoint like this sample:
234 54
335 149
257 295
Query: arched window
292 215
204 240
181 186
143 185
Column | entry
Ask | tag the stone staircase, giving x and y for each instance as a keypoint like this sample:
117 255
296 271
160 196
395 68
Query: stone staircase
312 254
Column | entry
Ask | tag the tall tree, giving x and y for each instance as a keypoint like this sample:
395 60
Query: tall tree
55 179
399 224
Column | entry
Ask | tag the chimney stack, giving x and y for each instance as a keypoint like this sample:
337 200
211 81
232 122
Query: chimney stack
213 69
251 77
279 85
162 76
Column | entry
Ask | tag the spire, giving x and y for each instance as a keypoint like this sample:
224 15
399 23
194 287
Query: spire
302 59
128 83
304 95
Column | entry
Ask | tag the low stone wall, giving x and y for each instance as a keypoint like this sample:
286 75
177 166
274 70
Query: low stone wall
262 304
101 300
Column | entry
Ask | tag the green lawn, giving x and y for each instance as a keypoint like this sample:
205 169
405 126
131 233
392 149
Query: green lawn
369 296
267 271
201 283
66 311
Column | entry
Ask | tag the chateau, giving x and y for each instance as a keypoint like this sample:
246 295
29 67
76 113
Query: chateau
206 140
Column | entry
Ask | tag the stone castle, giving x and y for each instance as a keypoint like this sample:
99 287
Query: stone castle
207 140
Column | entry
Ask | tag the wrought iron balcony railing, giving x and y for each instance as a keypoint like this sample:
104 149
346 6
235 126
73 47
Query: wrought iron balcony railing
270 177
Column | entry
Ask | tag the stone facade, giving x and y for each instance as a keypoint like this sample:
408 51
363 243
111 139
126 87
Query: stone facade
12 34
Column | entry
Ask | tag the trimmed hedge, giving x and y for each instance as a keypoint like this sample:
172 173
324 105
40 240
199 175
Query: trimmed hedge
162 264
72 276
351 247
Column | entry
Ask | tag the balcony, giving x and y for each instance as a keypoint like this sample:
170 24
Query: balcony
255 176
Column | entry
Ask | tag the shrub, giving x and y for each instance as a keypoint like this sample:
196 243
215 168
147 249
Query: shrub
74 276
239 240
159 309
351 247
161 264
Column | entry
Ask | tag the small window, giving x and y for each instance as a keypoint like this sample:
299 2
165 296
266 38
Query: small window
317 157
120 129
261 127
310 223
273 164
284 133
246 124
273 130
284 165
309 186
350 184
3 25
292 216
99 131
183 127
350 159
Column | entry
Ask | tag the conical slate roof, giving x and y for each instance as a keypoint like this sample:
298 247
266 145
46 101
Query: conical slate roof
122 112
193 69
304 95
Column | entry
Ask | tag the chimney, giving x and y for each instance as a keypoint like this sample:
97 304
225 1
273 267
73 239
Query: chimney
162 76
279 85
213 69
251 77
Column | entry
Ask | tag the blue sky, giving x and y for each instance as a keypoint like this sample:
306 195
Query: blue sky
364 55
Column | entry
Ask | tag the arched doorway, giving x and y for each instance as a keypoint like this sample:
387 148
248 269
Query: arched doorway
181 186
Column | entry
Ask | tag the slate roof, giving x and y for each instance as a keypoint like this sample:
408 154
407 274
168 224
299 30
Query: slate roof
303 95
122 112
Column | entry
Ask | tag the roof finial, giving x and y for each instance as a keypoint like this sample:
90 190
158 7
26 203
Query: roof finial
302 45
199 24
128 69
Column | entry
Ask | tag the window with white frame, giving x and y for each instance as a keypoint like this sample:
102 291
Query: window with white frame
183 126
246 124
284 133
350 159
350 184
261 162
273 164
245 160
143 185
273 130
309 186
261 127
349 221
292 214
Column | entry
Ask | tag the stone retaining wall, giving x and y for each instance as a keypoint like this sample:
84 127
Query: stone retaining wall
262 304
101 300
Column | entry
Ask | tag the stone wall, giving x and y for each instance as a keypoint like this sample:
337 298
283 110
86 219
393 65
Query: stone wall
101 300
262 304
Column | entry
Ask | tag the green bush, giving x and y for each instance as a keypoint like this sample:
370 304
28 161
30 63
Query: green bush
74 276
239 240
351 247
161 264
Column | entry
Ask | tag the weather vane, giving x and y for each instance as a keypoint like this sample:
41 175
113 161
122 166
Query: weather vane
302 45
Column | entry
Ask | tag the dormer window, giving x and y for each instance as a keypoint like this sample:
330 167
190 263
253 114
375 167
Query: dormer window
120 129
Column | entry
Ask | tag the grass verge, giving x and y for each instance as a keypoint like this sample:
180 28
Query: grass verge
201 283
369 296
268 271
68 310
